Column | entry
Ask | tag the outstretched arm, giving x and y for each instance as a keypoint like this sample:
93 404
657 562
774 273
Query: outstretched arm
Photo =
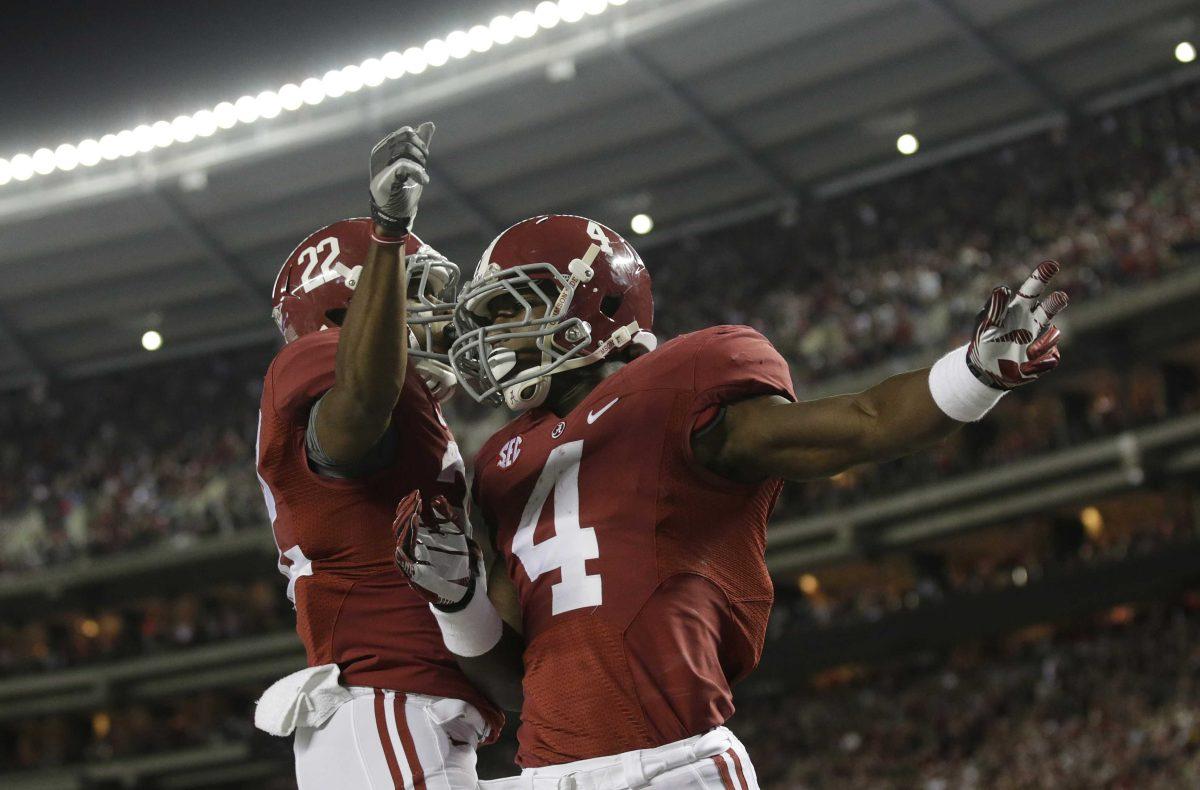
372 351
1014 343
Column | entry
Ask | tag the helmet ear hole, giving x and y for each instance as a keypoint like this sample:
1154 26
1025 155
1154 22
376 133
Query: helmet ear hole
610 304
336 316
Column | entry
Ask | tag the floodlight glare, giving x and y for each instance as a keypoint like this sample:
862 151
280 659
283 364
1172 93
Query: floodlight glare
393 65
246 109
546 14
66 157
89 153
151 340
570 10
313 91
459 43
183 129
372 72
1185 52
525 24
501 29
436 52
334 84
128 143
291 98
22 167
907 144
225 115
641 224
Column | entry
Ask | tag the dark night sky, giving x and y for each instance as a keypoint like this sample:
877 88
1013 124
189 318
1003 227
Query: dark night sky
70 69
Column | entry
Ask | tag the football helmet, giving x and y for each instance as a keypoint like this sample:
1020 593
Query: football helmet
314 287
582 292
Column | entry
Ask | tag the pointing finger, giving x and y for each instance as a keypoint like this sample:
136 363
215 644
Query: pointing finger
1033 287
425 132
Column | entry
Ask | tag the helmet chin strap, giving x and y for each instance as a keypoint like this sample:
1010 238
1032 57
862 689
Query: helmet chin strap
531 393
438 377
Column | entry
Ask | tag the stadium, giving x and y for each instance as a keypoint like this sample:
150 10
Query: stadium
1015 605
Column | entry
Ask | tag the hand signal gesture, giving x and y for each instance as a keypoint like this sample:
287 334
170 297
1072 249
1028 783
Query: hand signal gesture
1014 341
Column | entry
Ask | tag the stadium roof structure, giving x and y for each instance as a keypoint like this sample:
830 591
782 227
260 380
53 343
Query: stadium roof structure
698 112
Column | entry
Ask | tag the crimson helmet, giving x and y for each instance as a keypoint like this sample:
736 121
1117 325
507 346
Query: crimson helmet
315 285
595 291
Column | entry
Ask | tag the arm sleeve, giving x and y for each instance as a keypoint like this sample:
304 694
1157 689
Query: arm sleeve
734 364
298 380
378 457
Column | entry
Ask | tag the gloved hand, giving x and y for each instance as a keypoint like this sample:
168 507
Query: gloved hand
398 177
439 557
1014 341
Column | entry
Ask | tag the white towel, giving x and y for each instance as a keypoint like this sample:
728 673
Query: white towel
302 699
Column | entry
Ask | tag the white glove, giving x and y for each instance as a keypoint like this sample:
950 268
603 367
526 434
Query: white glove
398 177
439 557
1014 342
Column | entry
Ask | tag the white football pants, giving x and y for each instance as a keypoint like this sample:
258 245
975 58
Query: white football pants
715 760
388 740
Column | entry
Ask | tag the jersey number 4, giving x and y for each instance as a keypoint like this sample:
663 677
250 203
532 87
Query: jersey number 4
572 545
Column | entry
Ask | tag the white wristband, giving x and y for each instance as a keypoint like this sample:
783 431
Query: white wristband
957 392
472 630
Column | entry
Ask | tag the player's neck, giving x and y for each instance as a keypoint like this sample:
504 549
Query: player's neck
568 390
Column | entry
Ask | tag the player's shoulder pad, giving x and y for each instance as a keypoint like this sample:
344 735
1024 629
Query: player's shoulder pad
738 358
301 372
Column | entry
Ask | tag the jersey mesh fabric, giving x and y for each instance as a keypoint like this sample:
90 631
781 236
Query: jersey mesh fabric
684 590
353 607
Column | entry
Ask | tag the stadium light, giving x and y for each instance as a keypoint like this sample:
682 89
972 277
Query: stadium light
151 340
1185 52
907 144
371 73
641 224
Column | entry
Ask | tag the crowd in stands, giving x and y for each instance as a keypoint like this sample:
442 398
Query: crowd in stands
1110 703
879 274
71 636
1000 557
51 741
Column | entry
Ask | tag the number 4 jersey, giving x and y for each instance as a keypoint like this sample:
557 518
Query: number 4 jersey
353 607
641 575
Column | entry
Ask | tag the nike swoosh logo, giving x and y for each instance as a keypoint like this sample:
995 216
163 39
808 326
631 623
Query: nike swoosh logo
595 415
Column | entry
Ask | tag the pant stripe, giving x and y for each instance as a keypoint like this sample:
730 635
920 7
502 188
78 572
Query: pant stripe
385 739
723 770
410 748
737 764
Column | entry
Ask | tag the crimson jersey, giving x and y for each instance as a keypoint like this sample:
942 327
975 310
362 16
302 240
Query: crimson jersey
353 607
641 575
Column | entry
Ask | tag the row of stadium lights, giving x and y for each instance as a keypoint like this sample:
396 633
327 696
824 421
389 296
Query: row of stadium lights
291 97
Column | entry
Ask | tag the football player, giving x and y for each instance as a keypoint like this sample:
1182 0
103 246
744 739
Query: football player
349 424
628 502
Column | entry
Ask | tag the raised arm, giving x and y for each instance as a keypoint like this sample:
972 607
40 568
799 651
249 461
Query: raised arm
1014 343
372 352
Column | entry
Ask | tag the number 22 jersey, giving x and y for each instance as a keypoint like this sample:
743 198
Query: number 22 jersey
641 575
